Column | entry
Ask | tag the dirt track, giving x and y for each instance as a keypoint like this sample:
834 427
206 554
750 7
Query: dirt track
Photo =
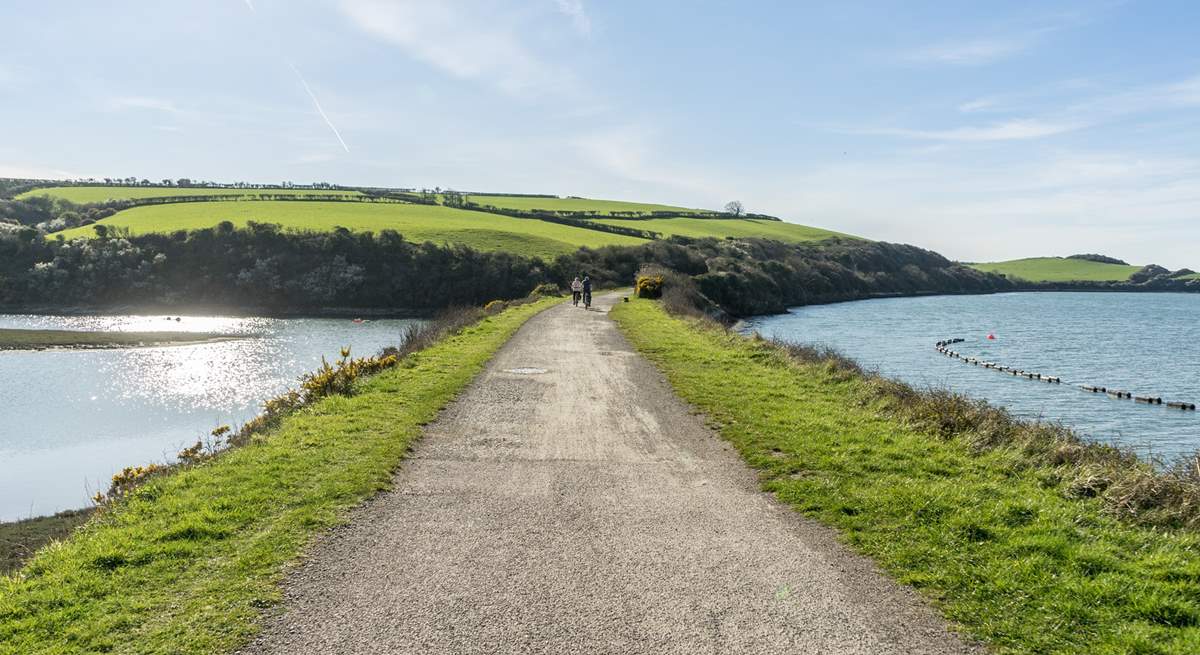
569 502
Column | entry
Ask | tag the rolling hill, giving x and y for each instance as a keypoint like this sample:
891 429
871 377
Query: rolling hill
440 224
530 203
434 223
722 228
1059 269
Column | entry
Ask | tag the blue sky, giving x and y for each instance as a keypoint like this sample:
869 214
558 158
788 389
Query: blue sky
984 132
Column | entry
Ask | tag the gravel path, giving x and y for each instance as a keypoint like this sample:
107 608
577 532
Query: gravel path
569 502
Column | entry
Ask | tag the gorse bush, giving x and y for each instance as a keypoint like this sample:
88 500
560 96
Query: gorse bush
340 377
648 286
547 289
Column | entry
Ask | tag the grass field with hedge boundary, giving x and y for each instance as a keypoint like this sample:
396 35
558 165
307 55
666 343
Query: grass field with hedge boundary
188 562
1059 269
997 543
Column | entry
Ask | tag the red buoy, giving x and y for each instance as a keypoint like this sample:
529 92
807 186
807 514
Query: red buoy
991 337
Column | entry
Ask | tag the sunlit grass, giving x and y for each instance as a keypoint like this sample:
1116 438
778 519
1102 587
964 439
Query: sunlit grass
417 223
722 228
1059 269
571 204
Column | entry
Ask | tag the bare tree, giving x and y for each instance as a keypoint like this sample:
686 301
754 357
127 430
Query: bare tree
735 207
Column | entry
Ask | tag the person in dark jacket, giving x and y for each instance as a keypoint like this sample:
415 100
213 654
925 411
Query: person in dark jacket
587 291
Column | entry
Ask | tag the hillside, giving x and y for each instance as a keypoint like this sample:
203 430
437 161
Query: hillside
483 231
723 228
541 226
90 194
1059 269
530 203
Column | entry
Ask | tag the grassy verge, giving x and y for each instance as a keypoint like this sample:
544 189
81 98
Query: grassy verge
187 562
13 339
997 540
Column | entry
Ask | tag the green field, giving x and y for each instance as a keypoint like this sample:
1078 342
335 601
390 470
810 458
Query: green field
1059 269
722 228
572 204
1004 546
187 564
88 194
417 223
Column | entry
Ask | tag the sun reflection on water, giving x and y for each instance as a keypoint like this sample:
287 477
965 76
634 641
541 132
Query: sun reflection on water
76 417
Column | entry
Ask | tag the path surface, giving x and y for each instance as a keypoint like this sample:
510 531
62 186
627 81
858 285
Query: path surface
569 502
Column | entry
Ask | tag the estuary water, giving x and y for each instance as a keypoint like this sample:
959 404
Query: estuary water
70 419
1144 343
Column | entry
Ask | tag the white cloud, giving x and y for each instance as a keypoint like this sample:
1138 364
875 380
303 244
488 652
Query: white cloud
1013 130
1140 208
578 15
468 41
142 102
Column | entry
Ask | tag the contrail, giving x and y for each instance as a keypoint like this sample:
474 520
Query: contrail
316 103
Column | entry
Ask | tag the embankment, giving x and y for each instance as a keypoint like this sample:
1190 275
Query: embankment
186 562
1032 544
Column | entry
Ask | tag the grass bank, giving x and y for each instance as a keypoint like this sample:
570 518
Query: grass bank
187 562
1009 546
13 339
1059 269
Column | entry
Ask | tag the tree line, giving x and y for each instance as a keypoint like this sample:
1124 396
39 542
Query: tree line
265 268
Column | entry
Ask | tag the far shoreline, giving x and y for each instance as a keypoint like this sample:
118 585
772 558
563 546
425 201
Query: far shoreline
60 340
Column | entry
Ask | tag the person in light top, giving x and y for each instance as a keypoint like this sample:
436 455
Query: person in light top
576 290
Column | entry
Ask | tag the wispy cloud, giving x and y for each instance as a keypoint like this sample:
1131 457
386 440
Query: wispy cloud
979 104
474 42
574 10
1013 130
972 52
307 89
119 103
317 104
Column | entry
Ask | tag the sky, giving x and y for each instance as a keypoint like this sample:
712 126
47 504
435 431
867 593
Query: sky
984 131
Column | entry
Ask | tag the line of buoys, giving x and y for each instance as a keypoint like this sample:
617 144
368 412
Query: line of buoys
943 348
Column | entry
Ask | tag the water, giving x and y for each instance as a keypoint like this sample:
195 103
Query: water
1148 344
69 419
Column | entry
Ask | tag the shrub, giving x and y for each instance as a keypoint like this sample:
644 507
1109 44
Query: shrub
546 289
648 286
